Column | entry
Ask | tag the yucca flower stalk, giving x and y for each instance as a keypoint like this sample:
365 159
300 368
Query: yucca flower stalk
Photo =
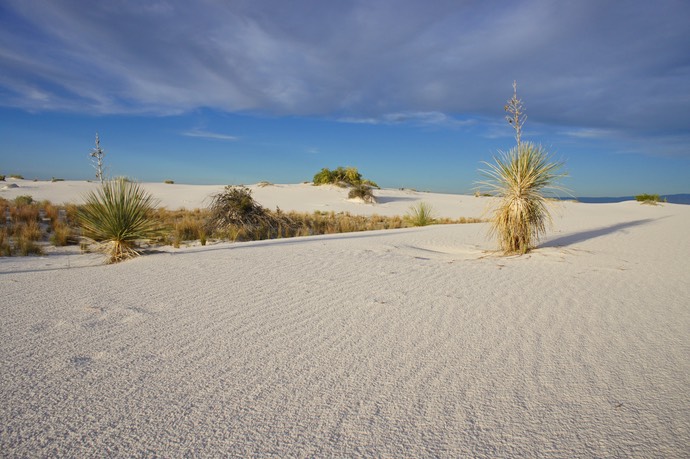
117 216
520 178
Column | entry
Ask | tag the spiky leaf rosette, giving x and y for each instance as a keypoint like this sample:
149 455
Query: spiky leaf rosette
118 215
520 178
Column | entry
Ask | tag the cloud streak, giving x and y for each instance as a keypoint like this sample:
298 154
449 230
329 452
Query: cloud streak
209 135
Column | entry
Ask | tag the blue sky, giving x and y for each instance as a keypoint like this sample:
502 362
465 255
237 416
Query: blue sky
410 92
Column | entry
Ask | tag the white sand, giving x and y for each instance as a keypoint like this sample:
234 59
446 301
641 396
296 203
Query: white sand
406 343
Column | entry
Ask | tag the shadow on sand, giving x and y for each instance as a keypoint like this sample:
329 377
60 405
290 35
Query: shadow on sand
387 199
574 238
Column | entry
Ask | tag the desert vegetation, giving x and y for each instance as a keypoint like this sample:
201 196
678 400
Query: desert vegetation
519 178
651 199
420 215
117 211
26 226
342 176
117 216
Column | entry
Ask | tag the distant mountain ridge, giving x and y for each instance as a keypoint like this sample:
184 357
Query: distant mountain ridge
683 198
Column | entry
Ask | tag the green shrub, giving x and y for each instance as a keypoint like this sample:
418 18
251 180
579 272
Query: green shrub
2 178
17 176
169 182
57 180
420 215
344 176
649 199
117 216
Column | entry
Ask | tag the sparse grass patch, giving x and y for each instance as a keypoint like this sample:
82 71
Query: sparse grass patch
23 200
27 246
169 182
17 176
420 215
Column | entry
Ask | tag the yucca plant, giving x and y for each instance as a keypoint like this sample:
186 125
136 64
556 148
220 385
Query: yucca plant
117 216
519 178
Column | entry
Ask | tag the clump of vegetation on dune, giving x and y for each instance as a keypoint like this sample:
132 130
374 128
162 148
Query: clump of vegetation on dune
520 178
342 176
651 199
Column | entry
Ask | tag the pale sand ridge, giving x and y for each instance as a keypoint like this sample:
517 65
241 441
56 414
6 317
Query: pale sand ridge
406 343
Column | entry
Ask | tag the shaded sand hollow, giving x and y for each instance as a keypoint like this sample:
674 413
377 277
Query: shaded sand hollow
405 343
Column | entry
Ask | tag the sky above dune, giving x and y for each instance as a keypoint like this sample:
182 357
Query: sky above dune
410 92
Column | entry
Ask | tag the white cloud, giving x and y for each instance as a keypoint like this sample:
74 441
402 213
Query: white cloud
414 118
209 135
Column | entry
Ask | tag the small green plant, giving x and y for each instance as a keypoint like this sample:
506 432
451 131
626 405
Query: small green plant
652 199
169 182
17 176
24 200
420 215
117 216
57 180
363 192
2 178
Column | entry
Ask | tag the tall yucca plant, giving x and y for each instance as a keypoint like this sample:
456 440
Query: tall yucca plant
519 179
116 216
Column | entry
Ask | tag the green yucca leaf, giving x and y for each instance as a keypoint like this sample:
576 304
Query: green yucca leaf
118 215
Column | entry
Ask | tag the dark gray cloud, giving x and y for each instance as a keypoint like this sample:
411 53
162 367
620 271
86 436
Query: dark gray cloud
603 65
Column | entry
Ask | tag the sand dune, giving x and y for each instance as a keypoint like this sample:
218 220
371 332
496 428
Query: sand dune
406 343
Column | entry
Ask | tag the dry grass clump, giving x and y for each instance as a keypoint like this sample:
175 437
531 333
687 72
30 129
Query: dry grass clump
519 178
62 235
235 214
5 247
364 192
